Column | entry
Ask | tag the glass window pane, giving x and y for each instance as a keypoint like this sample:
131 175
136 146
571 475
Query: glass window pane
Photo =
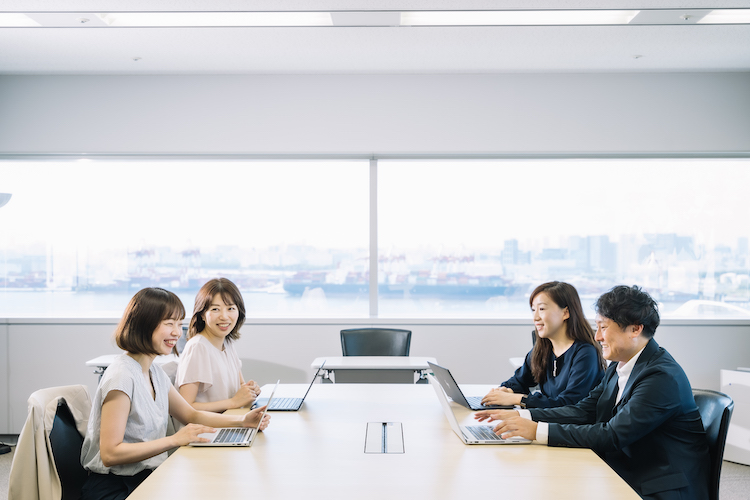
473 238
79 238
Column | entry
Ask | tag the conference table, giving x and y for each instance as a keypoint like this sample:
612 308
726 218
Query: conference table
319 452
368 369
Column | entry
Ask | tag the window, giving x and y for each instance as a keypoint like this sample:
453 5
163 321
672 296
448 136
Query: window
457 238
474 238
78 239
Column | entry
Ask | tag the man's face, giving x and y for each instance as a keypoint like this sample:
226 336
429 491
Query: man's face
618 344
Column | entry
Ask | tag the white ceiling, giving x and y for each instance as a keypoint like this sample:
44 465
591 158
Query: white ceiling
367 50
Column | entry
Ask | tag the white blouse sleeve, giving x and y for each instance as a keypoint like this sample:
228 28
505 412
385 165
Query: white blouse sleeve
195 366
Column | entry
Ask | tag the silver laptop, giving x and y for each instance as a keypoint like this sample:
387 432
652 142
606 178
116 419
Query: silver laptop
288 404
234 436
444 377
470 434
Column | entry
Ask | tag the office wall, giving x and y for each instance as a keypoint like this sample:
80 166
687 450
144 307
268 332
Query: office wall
52 353
345 114
381 114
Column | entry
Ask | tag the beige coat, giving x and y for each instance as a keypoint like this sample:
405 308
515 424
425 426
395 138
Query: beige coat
32 474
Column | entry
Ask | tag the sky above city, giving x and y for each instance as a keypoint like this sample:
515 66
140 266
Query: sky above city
452 205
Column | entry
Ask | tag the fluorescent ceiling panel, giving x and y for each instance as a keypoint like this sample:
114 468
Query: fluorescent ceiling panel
11 20
517 18
216 19
378 18
727 16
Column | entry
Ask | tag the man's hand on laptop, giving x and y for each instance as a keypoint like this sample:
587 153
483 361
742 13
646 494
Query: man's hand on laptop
510 423
492 415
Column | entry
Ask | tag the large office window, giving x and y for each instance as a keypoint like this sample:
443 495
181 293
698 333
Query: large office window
457 238
79 238
473 238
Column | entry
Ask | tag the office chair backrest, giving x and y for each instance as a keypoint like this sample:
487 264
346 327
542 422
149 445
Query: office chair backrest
375 342
716 411
66 445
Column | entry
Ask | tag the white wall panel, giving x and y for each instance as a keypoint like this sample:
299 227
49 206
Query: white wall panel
380 114
46 355
4 386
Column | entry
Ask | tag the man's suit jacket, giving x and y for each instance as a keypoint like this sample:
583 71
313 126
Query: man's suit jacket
653 437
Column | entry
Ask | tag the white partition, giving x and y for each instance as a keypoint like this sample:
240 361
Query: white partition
54 352
736 384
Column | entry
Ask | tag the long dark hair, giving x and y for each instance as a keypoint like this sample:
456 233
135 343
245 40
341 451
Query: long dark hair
576 326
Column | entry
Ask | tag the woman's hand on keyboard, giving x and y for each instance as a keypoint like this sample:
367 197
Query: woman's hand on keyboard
251 418
189 434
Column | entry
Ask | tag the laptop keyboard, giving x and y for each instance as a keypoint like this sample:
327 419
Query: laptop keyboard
230 435
284 403
483 432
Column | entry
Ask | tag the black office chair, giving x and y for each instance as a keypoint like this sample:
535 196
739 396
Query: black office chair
375 342
66 445
716 411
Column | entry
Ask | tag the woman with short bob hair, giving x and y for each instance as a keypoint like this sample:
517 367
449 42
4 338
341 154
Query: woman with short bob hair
209 376
142 316
565 362
127 429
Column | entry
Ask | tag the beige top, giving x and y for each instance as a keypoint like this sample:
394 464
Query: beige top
218 372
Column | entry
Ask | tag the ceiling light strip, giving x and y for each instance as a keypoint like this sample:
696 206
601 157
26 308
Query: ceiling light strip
458 18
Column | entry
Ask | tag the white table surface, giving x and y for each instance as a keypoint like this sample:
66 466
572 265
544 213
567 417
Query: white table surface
319 452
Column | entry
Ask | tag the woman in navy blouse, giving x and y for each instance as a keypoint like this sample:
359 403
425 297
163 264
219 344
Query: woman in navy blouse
566 362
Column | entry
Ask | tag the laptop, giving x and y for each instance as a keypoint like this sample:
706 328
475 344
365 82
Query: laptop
288 404
233 436
470 434
446 380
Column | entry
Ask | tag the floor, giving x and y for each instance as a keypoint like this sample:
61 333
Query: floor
735 478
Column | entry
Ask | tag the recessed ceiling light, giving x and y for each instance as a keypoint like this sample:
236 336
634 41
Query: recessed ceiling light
394 18
11 20
217 19
517 18
136 59
727 16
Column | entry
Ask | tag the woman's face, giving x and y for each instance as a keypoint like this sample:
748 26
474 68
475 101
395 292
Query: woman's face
549 318
220 318
166 335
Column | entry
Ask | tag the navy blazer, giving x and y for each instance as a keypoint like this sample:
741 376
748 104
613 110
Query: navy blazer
579 372
653 438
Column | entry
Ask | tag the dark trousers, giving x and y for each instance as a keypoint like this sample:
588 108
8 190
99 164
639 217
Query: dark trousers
111 486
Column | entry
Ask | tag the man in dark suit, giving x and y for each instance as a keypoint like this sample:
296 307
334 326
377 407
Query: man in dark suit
641 419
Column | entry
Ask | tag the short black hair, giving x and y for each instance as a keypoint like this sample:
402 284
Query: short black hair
627 306
146 310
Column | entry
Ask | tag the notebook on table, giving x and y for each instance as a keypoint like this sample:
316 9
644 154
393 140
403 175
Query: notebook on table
234 436
470 434
446 380
288 404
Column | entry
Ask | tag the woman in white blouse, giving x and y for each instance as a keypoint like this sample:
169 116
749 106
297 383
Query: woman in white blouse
127 430
209 376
